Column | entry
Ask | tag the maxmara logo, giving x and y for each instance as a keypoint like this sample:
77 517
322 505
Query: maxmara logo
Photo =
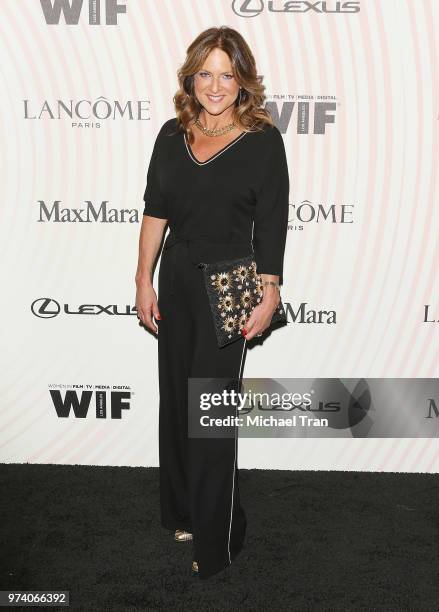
89 213
252 8
98 11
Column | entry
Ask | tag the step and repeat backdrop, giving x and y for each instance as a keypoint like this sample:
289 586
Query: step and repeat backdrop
353 86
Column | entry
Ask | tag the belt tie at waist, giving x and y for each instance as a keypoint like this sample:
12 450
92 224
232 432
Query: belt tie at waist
204 249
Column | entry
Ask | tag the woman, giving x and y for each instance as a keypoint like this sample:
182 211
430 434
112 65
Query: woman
216 169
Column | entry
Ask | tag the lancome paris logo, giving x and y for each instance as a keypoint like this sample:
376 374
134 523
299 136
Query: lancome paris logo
81 401
307 212
253 8
84 113
99 11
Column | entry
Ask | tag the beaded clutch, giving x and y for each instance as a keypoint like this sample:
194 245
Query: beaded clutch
234 289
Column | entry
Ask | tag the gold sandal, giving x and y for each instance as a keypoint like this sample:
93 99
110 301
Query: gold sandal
183 536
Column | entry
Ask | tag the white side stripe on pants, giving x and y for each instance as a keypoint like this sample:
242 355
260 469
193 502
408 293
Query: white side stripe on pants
234 462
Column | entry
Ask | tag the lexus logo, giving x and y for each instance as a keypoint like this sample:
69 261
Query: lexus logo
251 8
247 8
45 308
48 308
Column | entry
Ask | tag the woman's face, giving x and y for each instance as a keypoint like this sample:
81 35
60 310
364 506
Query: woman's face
215 86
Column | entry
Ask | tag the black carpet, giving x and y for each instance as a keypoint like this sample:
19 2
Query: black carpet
315 541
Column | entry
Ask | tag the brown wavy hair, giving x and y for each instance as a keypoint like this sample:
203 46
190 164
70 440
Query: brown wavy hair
248 115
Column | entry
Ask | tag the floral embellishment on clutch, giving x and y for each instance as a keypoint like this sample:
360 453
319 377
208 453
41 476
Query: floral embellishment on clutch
222 281
234 289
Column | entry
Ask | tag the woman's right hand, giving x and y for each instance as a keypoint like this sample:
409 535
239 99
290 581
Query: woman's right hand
146 304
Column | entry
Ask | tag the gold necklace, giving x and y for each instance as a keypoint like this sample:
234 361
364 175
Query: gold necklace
216 131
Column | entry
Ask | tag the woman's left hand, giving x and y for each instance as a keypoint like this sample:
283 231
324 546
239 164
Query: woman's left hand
262 314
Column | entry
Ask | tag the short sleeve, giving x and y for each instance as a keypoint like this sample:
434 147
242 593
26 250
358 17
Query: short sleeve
272 207
155 203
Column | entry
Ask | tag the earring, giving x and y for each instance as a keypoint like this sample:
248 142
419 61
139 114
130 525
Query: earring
239 101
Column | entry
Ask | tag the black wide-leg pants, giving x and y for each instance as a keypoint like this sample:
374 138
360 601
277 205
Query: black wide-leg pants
199 489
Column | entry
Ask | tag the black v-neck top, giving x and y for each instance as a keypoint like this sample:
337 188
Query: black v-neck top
242 187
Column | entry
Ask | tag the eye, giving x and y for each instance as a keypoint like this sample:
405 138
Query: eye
229 76
202 73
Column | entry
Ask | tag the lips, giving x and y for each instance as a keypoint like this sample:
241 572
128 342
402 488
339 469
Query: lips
215 98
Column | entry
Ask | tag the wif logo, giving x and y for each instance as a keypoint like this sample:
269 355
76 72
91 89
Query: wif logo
99 11
104 403
310 117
